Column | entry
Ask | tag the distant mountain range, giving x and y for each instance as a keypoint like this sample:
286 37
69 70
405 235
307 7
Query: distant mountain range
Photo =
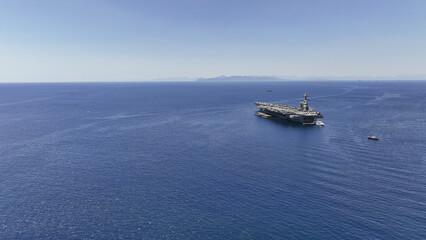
240 79
309 78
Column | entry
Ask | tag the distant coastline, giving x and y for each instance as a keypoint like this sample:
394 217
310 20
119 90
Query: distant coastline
408 77
240 79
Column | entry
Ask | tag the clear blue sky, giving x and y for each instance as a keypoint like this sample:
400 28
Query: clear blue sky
110 40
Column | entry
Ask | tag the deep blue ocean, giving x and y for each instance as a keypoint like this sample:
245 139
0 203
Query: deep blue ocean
192 161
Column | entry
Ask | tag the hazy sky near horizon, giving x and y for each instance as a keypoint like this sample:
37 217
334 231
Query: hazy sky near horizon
109 40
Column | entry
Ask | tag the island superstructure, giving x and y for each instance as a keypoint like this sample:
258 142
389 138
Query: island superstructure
302 114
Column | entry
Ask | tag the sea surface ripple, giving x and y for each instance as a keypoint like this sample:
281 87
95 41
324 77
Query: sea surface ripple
191 161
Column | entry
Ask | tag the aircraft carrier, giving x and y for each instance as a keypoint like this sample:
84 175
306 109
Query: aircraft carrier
303 114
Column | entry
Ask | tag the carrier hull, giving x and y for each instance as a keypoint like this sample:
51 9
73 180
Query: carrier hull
303 114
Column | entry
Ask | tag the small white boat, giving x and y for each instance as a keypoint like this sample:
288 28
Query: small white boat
373 138
263 115
320 123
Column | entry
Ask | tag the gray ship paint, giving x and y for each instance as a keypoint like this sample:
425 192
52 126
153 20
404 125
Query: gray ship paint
302 114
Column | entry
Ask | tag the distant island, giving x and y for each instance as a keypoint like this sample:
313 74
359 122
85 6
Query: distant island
310 78
240 79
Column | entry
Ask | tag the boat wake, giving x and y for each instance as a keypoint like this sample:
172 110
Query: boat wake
31 100
385 96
